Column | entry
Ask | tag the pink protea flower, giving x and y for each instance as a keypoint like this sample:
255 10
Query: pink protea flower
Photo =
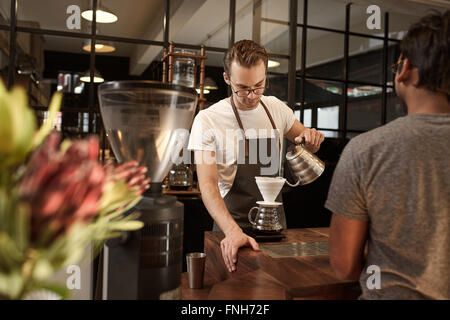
62 187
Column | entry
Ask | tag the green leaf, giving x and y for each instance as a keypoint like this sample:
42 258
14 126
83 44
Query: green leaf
21 227
10 255
126 225
57 288
17 126
47 127
11 284
42 270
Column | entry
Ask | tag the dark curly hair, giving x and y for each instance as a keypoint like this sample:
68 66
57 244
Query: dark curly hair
427 47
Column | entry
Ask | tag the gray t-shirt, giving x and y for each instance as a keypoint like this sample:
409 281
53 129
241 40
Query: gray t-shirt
398 178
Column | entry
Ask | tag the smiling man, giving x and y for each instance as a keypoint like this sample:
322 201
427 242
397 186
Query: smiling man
227 159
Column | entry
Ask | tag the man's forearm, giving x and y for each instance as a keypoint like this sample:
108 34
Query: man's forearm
217 209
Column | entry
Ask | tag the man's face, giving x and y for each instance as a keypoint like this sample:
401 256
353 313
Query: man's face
242 78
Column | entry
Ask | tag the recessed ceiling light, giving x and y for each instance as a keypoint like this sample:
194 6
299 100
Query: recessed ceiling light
100 46
104 15
273 64
205 91
86 77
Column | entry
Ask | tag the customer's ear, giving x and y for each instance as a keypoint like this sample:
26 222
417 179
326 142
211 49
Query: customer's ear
404 71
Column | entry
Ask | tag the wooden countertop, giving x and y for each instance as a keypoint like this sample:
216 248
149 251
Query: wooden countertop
262 277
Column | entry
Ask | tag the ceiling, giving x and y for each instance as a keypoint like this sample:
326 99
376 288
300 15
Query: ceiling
206 22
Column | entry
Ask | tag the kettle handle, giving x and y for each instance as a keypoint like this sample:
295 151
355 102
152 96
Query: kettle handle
302 143
250 215
293 185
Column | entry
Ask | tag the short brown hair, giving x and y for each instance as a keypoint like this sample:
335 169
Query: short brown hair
247 53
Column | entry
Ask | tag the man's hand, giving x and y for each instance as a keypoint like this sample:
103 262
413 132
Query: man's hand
231 244
313 139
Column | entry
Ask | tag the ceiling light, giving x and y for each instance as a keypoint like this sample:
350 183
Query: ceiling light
104 15
210 84
86 77
205 91
100 46
273 64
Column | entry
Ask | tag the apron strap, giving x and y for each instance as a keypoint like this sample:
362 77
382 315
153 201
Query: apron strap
238 118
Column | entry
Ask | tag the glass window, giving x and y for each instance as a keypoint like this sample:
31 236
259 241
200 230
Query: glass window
299 49
328 117
393 54
364 107
275 37
4 58
395 108
326 13
307 116
365 59
265 22
322 93
276 9
5 11
278 80
244 20
201 22
351 134
139 19
324 54
53 15
370 22
300 11
399 24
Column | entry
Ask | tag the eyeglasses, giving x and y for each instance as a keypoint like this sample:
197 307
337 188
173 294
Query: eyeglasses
396 66
245 93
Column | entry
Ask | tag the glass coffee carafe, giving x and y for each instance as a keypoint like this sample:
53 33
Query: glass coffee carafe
180 177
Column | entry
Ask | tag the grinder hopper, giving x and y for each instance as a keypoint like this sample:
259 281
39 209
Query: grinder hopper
147 121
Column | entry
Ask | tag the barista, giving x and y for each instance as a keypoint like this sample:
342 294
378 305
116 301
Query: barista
227 182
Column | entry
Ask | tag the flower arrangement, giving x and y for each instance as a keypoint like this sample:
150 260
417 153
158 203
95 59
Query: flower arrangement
56 199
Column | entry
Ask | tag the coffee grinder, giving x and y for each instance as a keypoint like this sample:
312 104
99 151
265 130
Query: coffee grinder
149 122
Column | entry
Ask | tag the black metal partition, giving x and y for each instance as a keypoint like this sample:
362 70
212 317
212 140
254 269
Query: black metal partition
297 80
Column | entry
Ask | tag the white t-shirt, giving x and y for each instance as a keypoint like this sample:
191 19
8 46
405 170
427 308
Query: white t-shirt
216 129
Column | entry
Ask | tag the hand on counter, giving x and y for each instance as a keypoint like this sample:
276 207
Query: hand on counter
231 244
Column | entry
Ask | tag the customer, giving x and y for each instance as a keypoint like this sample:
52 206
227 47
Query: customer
391 186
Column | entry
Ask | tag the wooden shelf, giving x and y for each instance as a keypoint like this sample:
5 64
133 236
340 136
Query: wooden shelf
182 192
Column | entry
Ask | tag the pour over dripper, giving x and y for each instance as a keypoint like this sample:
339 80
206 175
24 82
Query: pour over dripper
270 187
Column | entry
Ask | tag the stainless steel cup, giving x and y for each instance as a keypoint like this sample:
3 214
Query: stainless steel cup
195 268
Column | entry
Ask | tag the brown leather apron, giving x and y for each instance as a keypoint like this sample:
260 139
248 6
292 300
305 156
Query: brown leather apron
244 192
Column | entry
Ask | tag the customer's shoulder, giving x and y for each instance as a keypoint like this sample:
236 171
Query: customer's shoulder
383 135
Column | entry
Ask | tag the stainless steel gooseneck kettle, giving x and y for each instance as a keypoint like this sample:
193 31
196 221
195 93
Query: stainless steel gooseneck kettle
306 166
